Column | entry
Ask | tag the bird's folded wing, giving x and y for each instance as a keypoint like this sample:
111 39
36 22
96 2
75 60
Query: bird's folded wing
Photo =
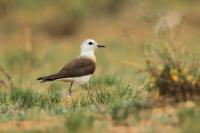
76 68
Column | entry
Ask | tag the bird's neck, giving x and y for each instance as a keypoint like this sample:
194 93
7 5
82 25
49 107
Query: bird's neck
89 54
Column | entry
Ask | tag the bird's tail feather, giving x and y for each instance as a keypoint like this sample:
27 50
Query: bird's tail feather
48 78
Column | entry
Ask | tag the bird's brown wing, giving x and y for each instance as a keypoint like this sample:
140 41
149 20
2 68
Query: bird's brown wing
76 68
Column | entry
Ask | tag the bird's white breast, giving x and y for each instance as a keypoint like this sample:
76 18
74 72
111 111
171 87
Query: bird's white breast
80 80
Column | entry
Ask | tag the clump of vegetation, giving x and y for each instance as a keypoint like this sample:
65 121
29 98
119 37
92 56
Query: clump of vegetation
172 77
28 98
103 96
79 122
122 110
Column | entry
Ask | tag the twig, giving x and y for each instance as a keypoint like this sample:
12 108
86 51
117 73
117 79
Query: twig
2 83
7 76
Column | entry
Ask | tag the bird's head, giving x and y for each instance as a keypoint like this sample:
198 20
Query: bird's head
89 46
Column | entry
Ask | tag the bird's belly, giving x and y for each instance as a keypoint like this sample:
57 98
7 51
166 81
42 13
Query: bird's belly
80 80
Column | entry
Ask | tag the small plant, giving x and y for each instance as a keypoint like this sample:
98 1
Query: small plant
103 95
125 91
173 78
82 100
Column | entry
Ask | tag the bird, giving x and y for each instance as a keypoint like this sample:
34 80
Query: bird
78 70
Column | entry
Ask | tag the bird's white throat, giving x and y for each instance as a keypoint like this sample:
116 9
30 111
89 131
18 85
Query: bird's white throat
88 53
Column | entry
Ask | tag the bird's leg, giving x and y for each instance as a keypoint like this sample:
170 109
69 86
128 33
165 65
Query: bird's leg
70 88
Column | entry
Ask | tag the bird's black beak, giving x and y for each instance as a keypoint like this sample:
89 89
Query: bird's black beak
101 46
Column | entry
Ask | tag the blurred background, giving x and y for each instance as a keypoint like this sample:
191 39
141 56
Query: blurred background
40 36
38 22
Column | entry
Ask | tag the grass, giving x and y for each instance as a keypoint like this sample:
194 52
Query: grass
78 122
118 104
28 98
81 113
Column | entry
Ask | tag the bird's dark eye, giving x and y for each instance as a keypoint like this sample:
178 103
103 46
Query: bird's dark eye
90 43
